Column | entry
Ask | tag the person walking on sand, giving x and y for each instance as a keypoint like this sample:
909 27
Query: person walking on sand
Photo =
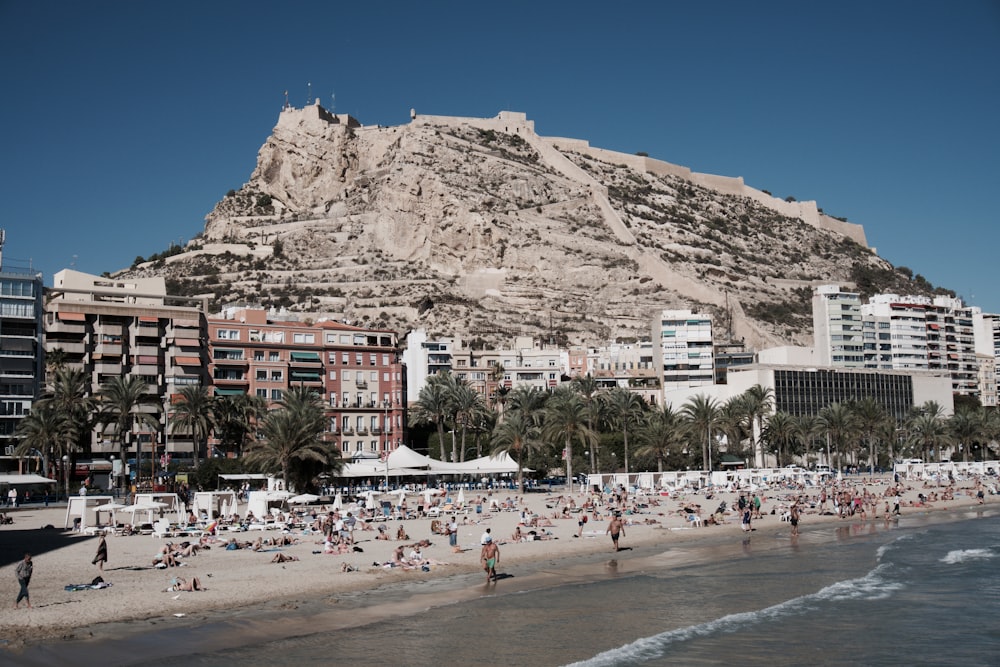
102 554
23 573
490 557
616 528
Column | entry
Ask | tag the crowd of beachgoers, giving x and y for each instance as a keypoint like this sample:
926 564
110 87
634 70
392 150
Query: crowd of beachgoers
209 563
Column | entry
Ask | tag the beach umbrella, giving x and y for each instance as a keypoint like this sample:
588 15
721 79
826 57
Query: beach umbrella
338 501
461 497
402 495
306 498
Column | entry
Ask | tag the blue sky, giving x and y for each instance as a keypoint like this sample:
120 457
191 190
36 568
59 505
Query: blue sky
125 122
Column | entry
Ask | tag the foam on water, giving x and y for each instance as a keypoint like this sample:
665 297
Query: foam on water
963 555
872 586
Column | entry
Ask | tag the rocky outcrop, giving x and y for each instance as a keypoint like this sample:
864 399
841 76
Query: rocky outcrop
482 228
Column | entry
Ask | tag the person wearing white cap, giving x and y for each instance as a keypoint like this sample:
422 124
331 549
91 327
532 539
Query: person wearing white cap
490 557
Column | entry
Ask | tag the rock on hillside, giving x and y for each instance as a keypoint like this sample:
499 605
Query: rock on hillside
484 229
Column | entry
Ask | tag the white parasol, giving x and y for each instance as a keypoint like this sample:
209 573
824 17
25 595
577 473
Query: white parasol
461 497
307 498
338 501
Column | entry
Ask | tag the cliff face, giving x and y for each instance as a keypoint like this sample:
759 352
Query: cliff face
482 228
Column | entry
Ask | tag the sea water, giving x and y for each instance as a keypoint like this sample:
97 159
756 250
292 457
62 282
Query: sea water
924 593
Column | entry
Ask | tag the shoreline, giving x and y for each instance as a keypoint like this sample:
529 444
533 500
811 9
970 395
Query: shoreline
248 596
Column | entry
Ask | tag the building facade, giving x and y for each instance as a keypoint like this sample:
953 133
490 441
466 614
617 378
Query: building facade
837 327
357 371
21 354
109 328
684 349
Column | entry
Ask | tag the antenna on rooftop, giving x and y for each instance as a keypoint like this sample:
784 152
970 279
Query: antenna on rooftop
333 102
309 93
287 105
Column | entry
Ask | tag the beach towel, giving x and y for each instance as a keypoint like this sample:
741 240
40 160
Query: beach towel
84 587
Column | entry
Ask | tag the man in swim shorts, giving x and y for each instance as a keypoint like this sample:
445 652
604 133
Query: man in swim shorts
616 528
793 518
490 556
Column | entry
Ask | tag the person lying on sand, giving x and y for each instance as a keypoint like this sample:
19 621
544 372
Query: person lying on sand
182 584
283 558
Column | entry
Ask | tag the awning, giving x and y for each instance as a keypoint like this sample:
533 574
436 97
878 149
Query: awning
189 324
305 375
229 392
144 318
188 361
305 356
72 317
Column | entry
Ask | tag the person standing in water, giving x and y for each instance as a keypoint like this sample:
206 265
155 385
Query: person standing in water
490 557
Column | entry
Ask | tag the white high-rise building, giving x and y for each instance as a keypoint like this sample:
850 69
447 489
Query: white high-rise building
837 328
896 332
684 349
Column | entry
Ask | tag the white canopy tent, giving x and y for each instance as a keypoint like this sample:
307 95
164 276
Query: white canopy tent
78 506
403 461
214 503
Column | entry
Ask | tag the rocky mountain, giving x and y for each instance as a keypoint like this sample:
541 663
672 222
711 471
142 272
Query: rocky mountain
484 229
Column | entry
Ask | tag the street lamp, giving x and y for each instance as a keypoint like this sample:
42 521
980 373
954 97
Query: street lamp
65 460
114 477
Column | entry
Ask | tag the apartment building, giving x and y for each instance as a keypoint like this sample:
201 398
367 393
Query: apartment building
357 371
110 328
21 370
684 349
837 327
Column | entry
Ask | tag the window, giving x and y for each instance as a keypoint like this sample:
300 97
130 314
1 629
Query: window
331 338
228 334
333 375
358 359
385 359
346 375
262 393
374 445
374 424
258 356
371 359
361 444
346 421
261 375
304 338
277 376
275 394
361 424
273 356
345 446
331 357
373 376
385 376
345 358
333 425
345 339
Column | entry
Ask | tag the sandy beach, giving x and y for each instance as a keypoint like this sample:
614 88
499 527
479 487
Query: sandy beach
244 579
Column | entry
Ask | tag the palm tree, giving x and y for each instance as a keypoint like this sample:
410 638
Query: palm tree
807 427
966 426
69 395
118 407
780 431
236 418
703 414
194 414
758 402
432 407
292 434
839 423
733 422
47 430
468 407
529 401
869 416
623 409
928 432
567 419
519 434
586 386
663 433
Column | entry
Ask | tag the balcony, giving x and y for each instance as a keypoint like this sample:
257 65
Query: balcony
348 431
362 430
361 383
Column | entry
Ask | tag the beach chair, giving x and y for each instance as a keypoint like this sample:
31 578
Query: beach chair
162 529
695 520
